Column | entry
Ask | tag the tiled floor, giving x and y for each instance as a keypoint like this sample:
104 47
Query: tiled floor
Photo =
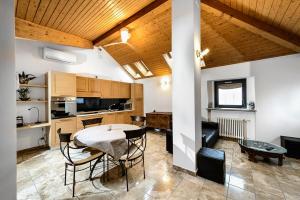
41 177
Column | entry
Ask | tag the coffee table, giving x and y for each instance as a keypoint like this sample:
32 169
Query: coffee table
263 149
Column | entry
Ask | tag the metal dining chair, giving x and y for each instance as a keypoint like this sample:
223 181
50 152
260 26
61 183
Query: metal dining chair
91 122
136 145
65 147
138 120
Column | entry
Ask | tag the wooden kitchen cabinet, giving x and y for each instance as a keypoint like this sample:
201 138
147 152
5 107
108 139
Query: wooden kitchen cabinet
123 118
67 125
138 90
115 89
95 87
139 107
88 87
109 118
124 90
106 91
82 84
63 84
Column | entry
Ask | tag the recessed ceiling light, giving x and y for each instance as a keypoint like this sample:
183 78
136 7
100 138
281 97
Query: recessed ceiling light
131 71
143 68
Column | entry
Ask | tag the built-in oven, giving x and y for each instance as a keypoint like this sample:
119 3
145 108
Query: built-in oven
63 107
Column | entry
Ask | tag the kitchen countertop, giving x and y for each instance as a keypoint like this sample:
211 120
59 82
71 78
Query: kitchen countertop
102 112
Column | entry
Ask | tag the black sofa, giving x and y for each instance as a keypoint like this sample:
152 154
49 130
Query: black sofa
210 134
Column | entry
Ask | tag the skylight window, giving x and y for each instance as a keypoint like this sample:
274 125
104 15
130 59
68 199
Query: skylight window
168 58
143 68
132 72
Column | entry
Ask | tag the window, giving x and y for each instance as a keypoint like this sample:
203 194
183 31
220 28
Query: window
230 94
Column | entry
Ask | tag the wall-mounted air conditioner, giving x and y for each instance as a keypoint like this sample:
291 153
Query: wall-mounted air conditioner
59 56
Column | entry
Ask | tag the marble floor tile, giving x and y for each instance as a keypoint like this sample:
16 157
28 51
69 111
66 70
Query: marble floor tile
42 177
236 193
242 178
267 196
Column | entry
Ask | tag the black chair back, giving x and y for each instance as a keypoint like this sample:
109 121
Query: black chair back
131 134
64 144
136 139
90 122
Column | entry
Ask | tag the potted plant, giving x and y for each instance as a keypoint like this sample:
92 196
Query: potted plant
25 78
23 94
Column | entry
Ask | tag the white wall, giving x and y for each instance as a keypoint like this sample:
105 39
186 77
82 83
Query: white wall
277 97
156 97
7 105
235 71
276 94
29 59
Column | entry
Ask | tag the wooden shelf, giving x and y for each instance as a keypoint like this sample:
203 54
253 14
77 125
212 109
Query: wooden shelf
32 101
33 125
33 85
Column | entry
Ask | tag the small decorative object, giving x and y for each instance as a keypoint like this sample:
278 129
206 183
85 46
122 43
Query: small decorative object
25 78
23 94
38 114
109 128
20 121
251 105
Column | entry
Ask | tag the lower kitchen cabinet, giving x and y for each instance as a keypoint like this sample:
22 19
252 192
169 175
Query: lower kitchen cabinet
67 125
109 118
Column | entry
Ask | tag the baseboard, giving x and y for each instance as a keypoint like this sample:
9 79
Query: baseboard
184 170
229 139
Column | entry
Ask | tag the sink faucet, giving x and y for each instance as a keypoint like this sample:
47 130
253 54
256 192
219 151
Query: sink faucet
109 107
38 114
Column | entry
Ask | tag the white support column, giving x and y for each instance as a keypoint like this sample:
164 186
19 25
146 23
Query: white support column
8 101
186 105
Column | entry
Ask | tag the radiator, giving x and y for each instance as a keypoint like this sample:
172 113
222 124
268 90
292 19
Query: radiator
233 128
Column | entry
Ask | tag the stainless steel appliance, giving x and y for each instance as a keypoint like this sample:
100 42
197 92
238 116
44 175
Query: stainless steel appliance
126 106
63 107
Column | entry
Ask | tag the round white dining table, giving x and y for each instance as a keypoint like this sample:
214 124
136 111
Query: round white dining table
109 138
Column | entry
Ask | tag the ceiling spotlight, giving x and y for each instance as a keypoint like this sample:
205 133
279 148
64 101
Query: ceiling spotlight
125 35
202 53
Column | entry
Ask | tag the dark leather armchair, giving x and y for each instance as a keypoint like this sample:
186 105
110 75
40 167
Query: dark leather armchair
210 134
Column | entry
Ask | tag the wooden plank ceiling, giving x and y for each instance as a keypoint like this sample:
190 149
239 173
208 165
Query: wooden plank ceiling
233 30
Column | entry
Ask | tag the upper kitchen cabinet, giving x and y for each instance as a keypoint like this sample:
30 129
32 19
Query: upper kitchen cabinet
125 90
82 84
95 87
120 90
115 89
106 89
88 87
63 84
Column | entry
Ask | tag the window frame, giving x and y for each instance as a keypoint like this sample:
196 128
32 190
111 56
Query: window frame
243 81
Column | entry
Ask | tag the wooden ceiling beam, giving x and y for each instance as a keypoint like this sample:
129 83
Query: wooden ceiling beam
32 31
254 25
129 20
